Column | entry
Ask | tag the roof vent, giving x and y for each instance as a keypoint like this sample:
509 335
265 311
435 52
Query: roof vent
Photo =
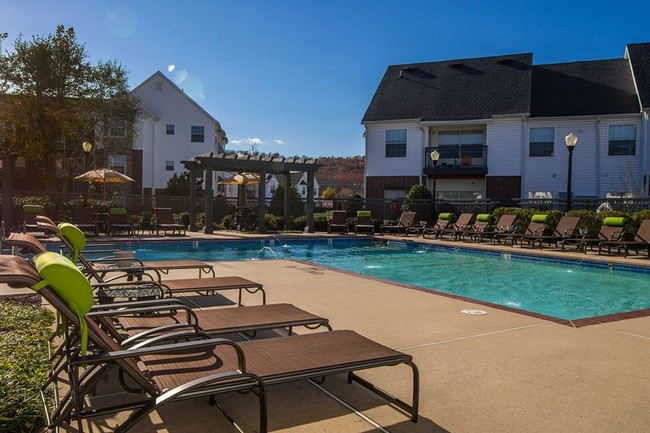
504 61
455 65
406 69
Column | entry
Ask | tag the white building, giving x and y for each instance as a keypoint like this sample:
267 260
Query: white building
175 128
499 124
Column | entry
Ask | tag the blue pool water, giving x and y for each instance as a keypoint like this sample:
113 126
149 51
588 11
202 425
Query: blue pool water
560 288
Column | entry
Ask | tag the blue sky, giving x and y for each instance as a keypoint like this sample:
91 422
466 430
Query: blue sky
296 77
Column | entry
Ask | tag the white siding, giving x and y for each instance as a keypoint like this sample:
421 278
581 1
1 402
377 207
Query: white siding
504 143
376 162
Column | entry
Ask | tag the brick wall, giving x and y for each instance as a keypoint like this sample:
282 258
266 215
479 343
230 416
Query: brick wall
376 185
499 187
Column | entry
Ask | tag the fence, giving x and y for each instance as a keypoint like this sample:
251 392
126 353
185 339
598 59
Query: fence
59 206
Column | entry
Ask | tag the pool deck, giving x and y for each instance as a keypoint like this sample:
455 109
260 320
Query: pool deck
498 372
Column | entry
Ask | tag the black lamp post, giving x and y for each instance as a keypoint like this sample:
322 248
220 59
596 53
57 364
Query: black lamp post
87 147
571 141
435 156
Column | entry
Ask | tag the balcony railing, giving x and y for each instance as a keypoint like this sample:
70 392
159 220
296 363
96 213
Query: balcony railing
462 159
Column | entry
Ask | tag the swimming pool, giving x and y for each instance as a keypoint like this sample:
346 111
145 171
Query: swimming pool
563 289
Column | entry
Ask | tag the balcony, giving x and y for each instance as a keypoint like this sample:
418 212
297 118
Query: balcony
469 159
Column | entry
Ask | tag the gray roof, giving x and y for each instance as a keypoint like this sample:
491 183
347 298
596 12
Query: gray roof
583 88
454 90
640 59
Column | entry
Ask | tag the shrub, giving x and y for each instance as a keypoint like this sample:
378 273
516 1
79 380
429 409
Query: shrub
299 223
270 221
184 218
228 222
419 200
24 366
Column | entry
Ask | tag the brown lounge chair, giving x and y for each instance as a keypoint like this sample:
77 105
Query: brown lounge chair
641 241
406 220
118 221
203 367
457 228
364 222
565 229
165 221
29 213
339 222
504 225
83 218
536 227
445 220
480 226
611 230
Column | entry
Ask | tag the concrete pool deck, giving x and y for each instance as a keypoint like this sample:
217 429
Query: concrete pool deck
499 372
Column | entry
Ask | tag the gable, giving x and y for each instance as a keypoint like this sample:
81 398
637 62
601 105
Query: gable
639 55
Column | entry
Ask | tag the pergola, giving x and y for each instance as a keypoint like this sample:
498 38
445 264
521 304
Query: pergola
206 164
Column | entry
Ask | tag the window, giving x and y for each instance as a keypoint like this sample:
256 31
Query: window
622 140
395 143
169 165
461 144
542 142
197 134
117 163
169 129
117 128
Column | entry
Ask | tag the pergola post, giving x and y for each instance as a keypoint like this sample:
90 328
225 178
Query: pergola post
261 210
193 200
208 201
310 202
8 217
287 200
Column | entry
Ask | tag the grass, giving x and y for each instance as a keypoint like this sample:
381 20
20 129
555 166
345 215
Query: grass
24 366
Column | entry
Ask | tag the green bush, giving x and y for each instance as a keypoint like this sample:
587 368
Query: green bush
416 201
271 221
184 218
299 223
24 365
228 222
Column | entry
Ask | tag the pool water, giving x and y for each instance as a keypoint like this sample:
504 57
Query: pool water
564 289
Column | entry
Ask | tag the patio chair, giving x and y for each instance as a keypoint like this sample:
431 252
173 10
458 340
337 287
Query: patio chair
339 222
445 220
641 241
30 211
118 221
480 226
405 221
457 228
565 229
364 222
536 227
504 225
165 221
201 367
83 218
611 230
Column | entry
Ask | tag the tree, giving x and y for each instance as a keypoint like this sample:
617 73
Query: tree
53 99
420 200
179 184
296 207
328 193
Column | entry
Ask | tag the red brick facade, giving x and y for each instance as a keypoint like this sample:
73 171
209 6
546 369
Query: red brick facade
502 187
376 185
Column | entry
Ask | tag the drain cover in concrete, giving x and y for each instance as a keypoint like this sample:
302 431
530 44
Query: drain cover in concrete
474 312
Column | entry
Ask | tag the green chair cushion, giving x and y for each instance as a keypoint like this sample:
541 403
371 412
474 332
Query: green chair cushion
445 216
59 273
117 211
540 218
483 217
614 221
363 213
75 236
33 208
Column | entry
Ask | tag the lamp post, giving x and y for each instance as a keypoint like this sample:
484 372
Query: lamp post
87 146
571 141
435 156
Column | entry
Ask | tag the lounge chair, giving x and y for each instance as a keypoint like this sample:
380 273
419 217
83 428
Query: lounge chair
364 222
611 230
339 222
445 220
457 228
565 229
478 228
165 221
30 211
83 218
536 227
406 220
202 367
503 226
641 241
118 221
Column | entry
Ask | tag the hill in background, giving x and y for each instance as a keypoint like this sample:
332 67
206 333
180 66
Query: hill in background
344 174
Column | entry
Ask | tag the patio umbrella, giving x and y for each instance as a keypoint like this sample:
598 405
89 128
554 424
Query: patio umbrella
103 175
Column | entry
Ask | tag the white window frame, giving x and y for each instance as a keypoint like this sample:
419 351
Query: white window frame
396 140
539 137
618 134
117 163
170 130
169 165
195 135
